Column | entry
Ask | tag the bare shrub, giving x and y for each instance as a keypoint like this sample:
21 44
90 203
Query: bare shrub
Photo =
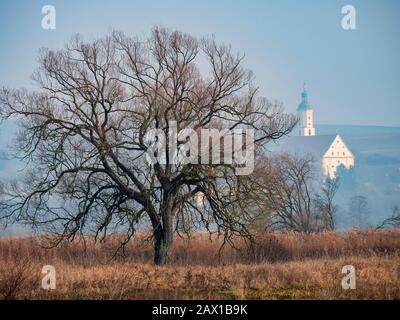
17 279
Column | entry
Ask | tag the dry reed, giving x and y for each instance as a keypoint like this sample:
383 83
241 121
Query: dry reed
279 266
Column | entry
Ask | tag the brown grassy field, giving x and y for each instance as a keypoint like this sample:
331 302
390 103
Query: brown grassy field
280 266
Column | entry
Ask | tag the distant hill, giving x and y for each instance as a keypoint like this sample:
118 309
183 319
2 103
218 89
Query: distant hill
355 129
376 174
368 143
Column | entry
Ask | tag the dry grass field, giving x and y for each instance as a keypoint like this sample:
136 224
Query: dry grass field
280 266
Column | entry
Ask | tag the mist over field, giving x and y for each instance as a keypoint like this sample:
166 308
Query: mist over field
376 174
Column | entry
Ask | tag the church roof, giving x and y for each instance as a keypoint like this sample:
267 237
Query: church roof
313 145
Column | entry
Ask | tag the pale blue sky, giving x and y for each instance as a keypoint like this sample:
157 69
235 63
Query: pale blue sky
353 77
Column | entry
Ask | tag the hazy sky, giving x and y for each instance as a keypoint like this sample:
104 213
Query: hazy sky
353 77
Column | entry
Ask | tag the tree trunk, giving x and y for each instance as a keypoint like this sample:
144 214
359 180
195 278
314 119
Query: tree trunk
161 248
163 235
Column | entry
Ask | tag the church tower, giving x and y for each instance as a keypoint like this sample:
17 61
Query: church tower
305 114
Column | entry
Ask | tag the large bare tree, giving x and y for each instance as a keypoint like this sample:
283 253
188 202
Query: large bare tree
296 197
83 137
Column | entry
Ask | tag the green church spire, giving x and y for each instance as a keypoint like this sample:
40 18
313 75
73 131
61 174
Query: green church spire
304 100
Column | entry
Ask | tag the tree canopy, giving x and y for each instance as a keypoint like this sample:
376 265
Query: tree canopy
83 137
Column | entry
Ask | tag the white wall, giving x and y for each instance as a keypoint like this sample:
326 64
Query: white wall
337 154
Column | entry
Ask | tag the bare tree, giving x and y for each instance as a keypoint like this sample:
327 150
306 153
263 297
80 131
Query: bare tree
358 212
393 221
83 136
295 197
325 204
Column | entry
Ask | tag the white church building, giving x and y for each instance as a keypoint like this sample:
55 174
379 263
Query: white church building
331 150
